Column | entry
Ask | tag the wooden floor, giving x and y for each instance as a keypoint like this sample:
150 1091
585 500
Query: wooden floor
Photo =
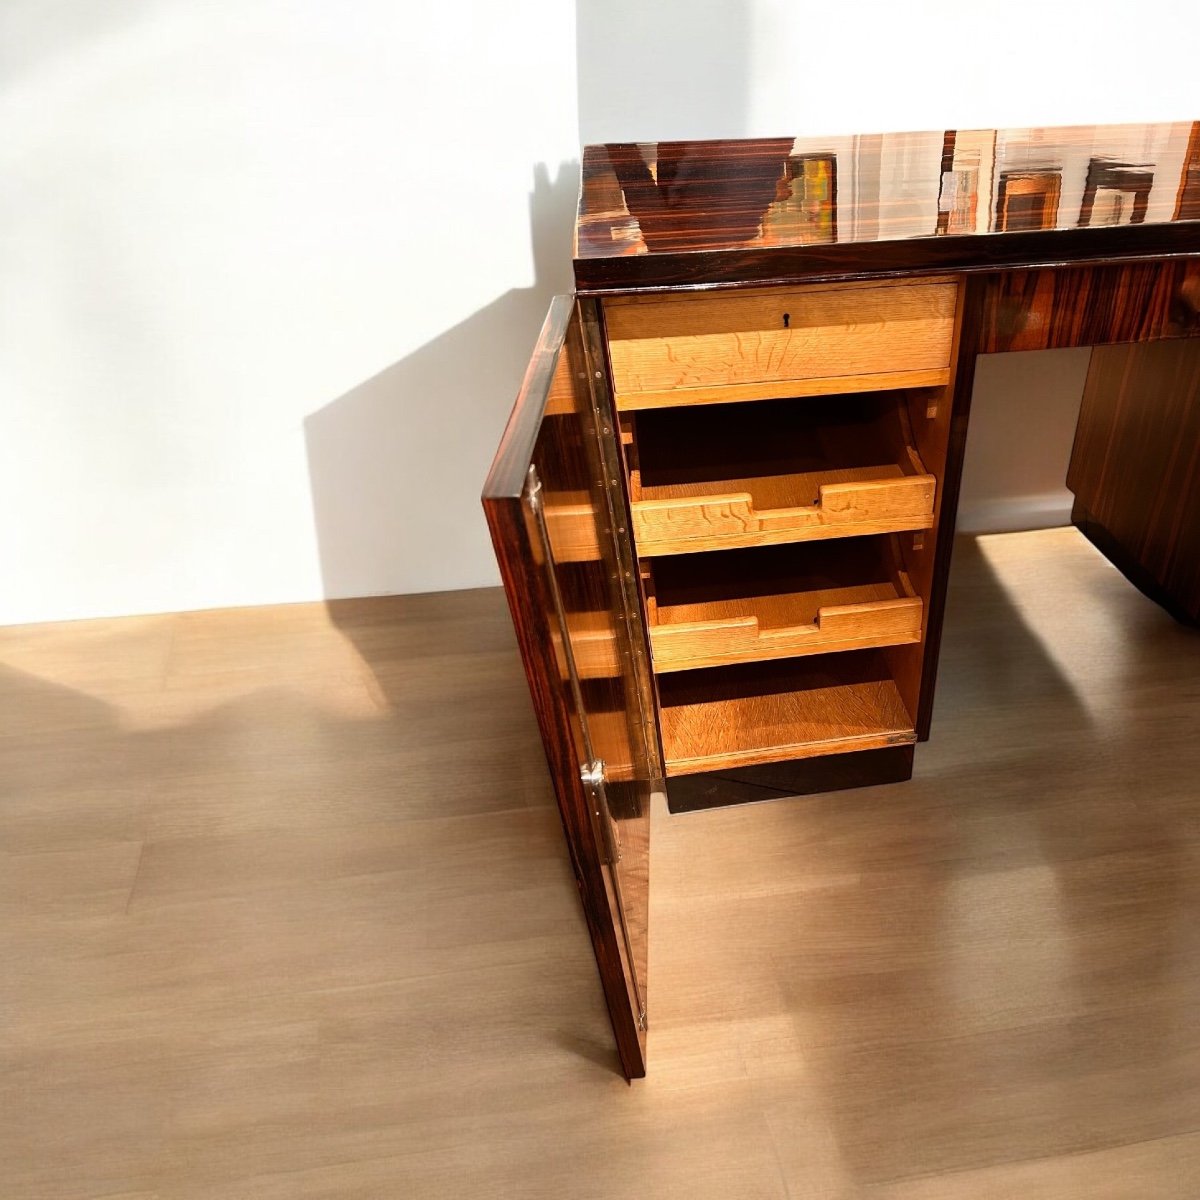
286 914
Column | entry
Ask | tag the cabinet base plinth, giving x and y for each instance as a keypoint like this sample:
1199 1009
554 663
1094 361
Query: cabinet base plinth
796 777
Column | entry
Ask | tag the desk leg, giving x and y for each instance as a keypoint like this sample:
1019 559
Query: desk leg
1135 467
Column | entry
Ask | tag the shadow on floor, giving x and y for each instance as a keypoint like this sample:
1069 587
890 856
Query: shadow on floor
991 963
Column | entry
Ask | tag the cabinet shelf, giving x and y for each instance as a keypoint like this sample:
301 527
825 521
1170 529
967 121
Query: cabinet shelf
755 605
732 476
729 717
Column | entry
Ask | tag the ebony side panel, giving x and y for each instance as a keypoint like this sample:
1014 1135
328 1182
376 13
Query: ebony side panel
798 777
1135 467
1091 306
551 525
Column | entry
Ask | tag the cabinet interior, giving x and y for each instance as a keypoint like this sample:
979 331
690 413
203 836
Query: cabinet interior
785 547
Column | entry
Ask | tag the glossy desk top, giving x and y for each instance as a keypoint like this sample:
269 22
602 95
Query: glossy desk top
670 214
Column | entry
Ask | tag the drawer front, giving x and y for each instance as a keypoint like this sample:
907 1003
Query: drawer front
775 342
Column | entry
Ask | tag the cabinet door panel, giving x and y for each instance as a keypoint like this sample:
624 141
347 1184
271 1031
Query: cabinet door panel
559 523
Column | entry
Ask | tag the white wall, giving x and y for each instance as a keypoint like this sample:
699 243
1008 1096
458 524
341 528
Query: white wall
267 275
1023 416
218 222
766 68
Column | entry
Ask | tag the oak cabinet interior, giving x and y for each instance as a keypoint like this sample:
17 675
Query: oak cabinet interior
773 527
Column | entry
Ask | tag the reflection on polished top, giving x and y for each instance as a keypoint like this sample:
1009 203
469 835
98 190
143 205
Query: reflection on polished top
680 213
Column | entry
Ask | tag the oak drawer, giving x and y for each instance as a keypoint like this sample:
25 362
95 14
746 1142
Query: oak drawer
771 342
719 521
707 610
717 477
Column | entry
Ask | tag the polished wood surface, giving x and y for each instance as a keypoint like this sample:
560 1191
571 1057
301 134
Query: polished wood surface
1091 306
1135 466
1028 200
774 711
288 915
677 214
672 351
589 715
709 610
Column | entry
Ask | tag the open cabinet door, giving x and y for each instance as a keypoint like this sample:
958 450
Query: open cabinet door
559 524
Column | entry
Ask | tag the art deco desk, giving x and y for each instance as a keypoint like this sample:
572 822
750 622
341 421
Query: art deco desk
724 504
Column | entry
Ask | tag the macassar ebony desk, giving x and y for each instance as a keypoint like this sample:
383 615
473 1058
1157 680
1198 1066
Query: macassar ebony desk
724 504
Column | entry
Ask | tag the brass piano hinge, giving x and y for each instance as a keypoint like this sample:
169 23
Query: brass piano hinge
533 489
592 774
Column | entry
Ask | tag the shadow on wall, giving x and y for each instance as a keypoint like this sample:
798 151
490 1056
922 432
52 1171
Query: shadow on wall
397 463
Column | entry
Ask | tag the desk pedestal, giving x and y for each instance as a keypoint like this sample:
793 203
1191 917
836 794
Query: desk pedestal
1135 467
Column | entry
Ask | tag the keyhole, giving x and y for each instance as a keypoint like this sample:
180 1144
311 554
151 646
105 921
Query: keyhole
787 318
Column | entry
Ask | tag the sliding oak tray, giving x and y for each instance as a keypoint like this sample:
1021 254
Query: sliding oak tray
740 606
729 717
735 475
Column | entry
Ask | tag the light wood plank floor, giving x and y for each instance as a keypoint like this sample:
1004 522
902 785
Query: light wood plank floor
286 914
